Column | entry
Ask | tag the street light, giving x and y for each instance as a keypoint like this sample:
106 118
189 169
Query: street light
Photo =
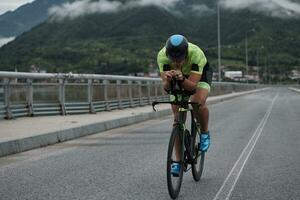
246 49
219 42
268 67
258 62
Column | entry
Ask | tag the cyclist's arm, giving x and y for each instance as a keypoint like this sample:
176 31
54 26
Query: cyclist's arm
165 69
199 61
166 78
191 83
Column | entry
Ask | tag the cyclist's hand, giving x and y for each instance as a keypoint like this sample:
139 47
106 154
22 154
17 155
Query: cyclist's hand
169 75
179 76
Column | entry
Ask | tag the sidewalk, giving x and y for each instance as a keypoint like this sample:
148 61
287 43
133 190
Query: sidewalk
27 133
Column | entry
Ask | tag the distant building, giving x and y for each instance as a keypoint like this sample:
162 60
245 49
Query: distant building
252 78
234 75
141 74
153 74
295 74
34 69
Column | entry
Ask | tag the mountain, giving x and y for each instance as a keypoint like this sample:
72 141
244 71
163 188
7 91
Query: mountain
13 23
127 41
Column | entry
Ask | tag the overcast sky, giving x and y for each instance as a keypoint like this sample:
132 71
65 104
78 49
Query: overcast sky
6 5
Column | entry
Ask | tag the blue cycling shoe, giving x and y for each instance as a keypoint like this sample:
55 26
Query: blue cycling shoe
175 169
204 142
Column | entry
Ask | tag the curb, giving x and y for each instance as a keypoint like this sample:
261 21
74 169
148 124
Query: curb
28 143
294 89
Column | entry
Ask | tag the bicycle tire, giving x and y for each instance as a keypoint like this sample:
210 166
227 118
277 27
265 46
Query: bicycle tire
174 190
198 164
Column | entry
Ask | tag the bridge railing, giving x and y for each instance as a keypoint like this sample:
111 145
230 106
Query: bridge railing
36 94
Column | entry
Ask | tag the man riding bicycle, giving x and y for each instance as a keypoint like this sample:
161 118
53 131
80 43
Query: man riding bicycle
187 63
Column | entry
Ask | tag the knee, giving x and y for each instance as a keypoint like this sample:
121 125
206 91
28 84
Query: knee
202 102
203 108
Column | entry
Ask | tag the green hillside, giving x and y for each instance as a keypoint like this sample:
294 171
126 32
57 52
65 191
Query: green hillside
14 23
127 41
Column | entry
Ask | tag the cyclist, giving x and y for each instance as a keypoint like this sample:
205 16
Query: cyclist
187 63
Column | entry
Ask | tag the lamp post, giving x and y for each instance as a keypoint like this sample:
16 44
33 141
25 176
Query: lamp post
258 62
219 42
246 50
298 70
265 73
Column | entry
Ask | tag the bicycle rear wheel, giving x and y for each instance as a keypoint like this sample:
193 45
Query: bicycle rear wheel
174 183
199 156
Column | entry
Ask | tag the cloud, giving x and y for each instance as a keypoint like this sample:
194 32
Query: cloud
274 8
201 9
11 5
4 41
160 3
83 7
78 8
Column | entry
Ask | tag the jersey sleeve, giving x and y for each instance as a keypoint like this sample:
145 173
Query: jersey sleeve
198 61
159 63
162 59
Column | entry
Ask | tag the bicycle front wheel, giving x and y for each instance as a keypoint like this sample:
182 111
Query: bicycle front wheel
175 155
199 156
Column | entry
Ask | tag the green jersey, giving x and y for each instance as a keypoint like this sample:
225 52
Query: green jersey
194 62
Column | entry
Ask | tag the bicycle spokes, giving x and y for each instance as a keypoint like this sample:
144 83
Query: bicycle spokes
175 156
197 166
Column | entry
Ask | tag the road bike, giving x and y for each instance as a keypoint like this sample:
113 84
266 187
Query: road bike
184 140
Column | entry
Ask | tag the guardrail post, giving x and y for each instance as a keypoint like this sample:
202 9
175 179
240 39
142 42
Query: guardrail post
7 93
156 92
149 83
118 87
162 91
62 96
30 97
90 95
130 94
140 92
105 84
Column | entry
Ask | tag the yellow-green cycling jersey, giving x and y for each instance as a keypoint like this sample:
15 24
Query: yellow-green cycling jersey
194 63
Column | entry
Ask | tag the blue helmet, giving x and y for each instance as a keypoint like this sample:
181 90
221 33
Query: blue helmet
177 48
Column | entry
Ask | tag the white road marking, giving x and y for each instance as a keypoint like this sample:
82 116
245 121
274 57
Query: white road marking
232 178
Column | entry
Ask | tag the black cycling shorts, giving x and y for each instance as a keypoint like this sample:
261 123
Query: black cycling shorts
207 74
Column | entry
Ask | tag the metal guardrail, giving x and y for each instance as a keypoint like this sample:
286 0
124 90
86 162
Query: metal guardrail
35 94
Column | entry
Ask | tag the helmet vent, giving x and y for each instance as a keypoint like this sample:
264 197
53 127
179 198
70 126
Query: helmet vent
176 40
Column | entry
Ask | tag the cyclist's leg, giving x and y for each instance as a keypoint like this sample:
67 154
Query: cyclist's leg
202 92
175 114
175 168
202 113
177 142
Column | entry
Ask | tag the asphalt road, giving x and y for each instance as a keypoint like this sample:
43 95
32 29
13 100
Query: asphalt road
254 155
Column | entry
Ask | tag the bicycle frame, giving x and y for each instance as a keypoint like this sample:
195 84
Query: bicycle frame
179 98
